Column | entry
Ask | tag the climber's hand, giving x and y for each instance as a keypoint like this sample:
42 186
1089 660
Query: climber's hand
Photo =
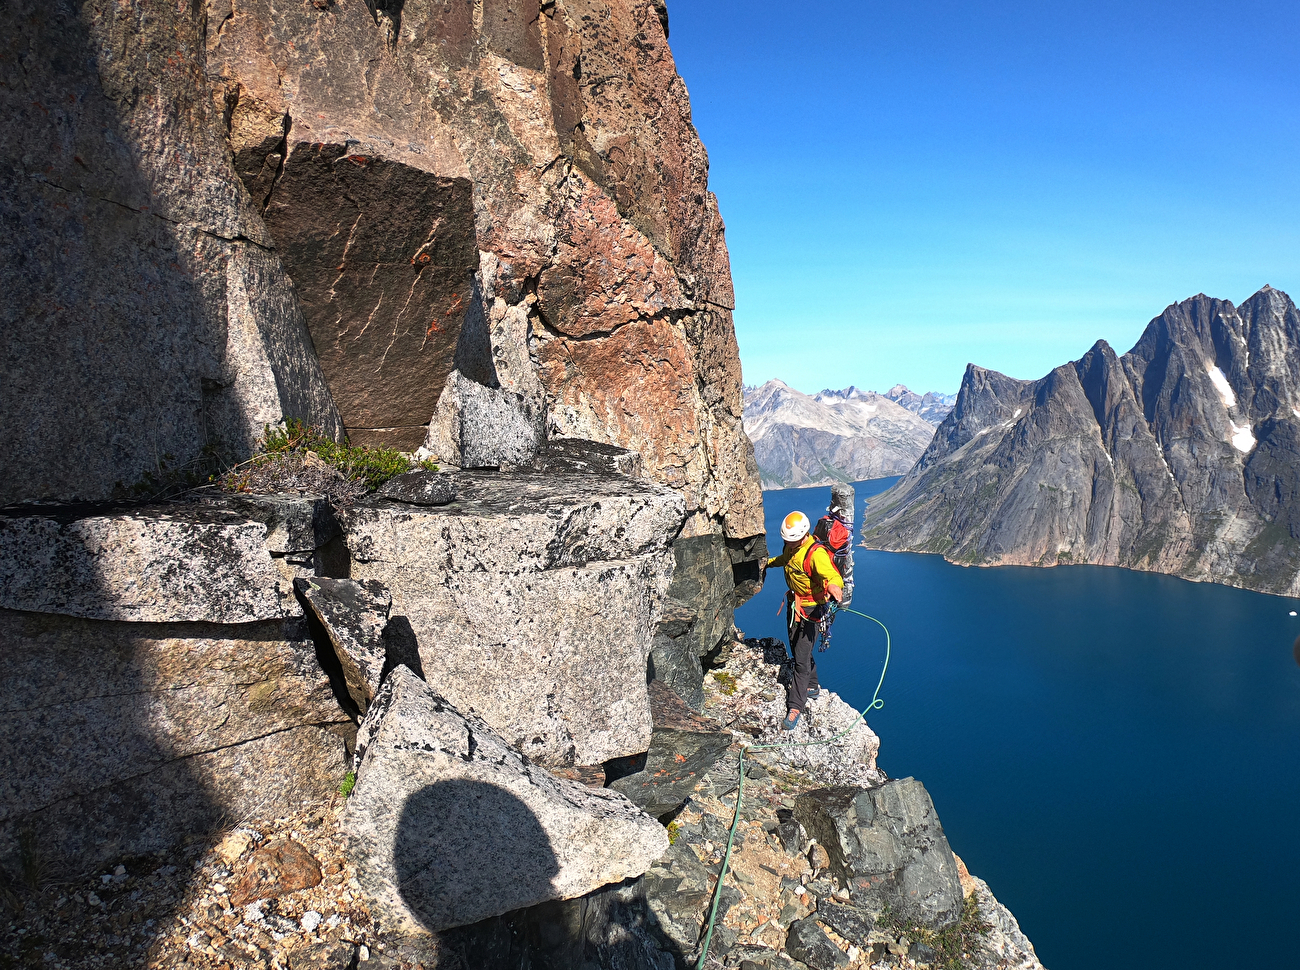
835 592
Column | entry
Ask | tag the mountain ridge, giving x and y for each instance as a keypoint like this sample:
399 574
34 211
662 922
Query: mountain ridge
845 435
1179 456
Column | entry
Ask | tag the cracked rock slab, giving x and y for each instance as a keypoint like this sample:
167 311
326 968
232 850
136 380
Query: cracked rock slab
808 943
449 825
683 746
888 845
532 598
132 736
354 616
420 488
156 564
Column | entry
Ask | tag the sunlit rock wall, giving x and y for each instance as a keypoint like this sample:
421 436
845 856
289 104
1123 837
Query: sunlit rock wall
510 190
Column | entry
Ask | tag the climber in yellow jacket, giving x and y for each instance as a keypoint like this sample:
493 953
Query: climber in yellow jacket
812 581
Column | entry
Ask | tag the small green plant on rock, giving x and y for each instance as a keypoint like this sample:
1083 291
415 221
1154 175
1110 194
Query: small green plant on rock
726 682
673 829
953 944
349 782
300 457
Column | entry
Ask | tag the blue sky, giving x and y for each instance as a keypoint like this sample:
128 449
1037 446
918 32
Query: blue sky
909 186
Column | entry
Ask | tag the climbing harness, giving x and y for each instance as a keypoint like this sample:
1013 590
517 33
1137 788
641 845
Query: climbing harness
876 704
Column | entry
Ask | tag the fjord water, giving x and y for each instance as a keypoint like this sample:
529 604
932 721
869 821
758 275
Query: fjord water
1116 753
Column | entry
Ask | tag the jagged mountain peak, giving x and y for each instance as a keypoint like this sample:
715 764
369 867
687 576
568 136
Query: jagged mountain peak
1181 456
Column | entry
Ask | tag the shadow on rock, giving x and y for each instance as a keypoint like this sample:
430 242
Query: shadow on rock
497 839
612 927
488 834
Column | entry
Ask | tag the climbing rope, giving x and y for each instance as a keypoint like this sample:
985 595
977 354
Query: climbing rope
876 704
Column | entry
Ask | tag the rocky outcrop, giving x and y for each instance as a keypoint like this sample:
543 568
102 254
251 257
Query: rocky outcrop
887 844
150 324
157 733
790 891
1178 457
353 617
157 680
152 565
495 216
533 598
697 616
444 808
847 435
503 212
683 746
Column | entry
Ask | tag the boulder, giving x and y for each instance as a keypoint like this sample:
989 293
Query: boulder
886 843
497 426
808 943
532 599
449 825
155 564
420 487
281 867
353 616
683 746
581 455
698 614
850 922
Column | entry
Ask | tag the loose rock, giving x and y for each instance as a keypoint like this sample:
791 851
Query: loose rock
353 615
279 868
435 790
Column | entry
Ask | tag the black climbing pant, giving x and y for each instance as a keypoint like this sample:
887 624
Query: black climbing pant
803 635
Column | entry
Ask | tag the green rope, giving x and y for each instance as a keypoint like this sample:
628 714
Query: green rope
876 704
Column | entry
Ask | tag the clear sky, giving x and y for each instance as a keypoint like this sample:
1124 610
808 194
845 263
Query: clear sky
912 185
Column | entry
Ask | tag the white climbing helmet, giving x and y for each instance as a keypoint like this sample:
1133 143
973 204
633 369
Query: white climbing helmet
795 527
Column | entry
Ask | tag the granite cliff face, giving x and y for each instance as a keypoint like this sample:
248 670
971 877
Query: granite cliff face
1181 456
497 214
847 435
477 228
494 214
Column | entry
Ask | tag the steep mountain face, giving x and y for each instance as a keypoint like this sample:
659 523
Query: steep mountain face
1182 456
362 215
836 436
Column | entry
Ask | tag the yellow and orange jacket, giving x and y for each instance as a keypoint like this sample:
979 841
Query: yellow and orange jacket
807 580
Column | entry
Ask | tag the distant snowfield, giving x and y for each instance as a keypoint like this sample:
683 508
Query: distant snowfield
1221 385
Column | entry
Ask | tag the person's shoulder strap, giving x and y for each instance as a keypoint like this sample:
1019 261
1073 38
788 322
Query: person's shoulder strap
830 559
812 547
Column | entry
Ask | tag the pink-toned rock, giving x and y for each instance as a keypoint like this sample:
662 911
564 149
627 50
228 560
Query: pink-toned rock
549 154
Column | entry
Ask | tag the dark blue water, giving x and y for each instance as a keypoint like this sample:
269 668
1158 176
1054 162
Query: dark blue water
1116 753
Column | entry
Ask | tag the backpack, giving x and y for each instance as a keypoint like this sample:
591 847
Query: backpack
831 533
835 562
